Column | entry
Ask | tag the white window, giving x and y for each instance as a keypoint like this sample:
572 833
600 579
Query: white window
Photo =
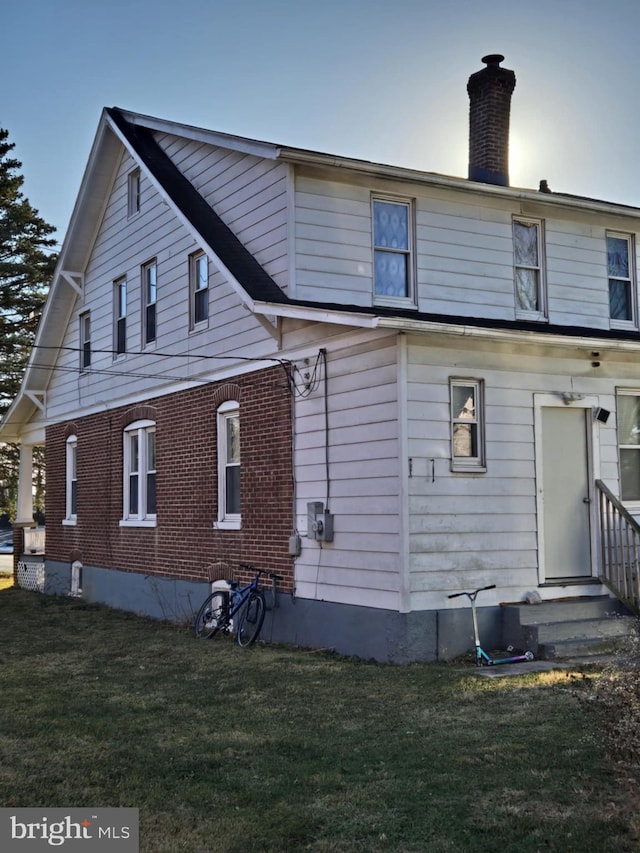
120 316
198 289
133 192
76 579
85 341
392 251
628 417
620 272
529 269
228 424
149 297
467 425
139 476
71 502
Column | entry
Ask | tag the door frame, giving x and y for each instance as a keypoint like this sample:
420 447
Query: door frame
588 404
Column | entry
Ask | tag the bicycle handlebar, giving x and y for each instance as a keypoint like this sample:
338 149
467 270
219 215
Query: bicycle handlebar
251 568
475 592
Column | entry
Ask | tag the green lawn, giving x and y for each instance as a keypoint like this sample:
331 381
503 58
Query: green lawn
275 749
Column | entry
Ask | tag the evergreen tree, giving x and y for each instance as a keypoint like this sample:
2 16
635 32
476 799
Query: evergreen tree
26 266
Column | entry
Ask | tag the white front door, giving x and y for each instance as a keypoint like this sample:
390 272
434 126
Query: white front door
564 494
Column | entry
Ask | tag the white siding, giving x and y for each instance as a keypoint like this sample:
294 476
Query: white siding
123 244
469 530
249 194
363 564
464 250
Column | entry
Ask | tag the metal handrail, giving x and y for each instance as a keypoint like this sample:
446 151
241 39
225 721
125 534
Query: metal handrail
620 545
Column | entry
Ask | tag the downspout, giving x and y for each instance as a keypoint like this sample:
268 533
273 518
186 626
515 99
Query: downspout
404 602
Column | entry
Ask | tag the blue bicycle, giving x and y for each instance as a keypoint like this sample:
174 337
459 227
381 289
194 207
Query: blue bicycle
216 616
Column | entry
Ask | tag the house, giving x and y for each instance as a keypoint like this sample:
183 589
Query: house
385 385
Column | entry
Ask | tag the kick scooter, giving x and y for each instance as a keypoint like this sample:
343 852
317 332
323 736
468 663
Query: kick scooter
482 658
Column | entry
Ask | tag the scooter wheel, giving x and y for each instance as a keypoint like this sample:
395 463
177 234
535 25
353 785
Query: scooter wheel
529 655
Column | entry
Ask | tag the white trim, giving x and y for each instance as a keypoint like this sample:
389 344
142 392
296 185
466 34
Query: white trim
142 430
632 280
541 313
225 412
404 581
71 476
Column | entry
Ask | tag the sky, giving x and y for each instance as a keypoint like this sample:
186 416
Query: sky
380 80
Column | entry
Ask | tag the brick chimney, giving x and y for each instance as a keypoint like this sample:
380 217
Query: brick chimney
489 107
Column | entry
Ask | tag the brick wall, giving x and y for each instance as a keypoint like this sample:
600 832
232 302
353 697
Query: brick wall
184 541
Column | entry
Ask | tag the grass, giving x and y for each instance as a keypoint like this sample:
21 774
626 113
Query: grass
275 749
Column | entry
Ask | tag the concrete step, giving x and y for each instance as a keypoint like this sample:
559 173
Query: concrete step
578 629
571 627
584 649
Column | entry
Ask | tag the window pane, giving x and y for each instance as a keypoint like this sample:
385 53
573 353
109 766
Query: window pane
628 419
151 450
202 273
390 225
151 284
463 401
465 440
233 439
391 276
121 334
232 496
527 289
150 324
151 493
74 497
200 306
630 475
525 243
133 494
133 453
619 300
618 257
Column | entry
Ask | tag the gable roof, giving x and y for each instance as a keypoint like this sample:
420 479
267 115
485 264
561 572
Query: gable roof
119 130
230 253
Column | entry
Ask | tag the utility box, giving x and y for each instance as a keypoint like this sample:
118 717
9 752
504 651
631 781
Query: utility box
319 522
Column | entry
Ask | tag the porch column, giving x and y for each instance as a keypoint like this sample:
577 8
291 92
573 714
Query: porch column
24 515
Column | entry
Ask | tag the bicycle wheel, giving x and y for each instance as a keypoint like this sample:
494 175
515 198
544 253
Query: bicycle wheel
212 616
251 619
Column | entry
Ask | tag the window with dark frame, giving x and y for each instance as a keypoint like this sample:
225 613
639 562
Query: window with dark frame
149 296
85 340
120 310
199 289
